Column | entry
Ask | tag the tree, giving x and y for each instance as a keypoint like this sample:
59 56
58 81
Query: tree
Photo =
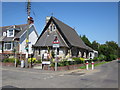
110 50
114 46
86 40
95 45
118 52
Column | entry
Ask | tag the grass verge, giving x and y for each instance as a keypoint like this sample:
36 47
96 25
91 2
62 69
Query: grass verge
97 64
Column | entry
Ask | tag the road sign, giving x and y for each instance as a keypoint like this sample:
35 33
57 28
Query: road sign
29 42
56 45
45 62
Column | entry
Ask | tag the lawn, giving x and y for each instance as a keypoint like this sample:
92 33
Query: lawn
97 64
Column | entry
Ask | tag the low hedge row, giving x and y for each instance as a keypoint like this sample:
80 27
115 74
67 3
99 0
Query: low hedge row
12 60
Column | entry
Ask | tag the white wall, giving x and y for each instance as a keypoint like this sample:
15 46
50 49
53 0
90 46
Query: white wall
61 52
32 38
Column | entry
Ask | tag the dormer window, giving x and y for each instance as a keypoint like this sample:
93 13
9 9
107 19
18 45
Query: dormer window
10 33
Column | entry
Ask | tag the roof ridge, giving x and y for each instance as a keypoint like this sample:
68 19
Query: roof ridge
12 25
63 23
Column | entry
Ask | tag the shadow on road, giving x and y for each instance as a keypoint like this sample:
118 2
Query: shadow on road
9 87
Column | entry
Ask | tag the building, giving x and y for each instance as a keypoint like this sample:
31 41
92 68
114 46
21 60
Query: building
70 42
13 38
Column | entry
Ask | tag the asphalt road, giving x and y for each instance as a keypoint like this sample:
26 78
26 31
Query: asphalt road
104 76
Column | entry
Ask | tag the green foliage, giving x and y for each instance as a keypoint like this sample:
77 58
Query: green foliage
79 60
86 40
111 57
65 62
38 61
109 50
95 45
32 59
96 64
52 64
101 57
11 60
118 52
53 54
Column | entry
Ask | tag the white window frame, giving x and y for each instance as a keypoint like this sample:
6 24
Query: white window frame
8 33
8 43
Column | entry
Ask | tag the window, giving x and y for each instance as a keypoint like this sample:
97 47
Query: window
4 33
8 46
50 28
10 32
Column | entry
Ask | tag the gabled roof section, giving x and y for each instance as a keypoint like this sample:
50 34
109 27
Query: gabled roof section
46 40
69 34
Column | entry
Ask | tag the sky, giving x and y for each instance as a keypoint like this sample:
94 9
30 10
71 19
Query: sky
97 20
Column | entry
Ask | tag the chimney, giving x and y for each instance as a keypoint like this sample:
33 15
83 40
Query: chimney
47 19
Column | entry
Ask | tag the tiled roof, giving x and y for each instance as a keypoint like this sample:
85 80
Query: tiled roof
69 34
20 30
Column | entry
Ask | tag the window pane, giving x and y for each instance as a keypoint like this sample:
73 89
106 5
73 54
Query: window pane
8 46
10 32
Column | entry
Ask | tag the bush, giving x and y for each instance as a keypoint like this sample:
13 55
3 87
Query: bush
111 57
38 61
32 59
101 57
52 64
79 60
11 60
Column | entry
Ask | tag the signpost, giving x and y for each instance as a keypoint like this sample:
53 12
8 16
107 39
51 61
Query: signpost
56 45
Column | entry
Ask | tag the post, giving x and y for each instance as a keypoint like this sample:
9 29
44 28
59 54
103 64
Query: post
56 60
26 61
92 65
15 60
87 66
27 35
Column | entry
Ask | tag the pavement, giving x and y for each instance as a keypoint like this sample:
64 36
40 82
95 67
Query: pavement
103 76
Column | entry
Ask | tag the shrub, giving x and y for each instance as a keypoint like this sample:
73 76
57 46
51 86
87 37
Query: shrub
111 57
38 61
102 57
52 64
11 60
32 59
79 60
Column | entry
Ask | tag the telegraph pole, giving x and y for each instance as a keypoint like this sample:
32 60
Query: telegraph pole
27 35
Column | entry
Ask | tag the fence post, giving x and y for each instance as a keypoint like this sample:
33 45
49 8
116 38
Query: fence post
92 65
87 65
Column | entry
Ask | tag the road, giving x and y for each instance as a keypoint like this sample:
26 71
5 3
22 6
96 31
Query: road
104 76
